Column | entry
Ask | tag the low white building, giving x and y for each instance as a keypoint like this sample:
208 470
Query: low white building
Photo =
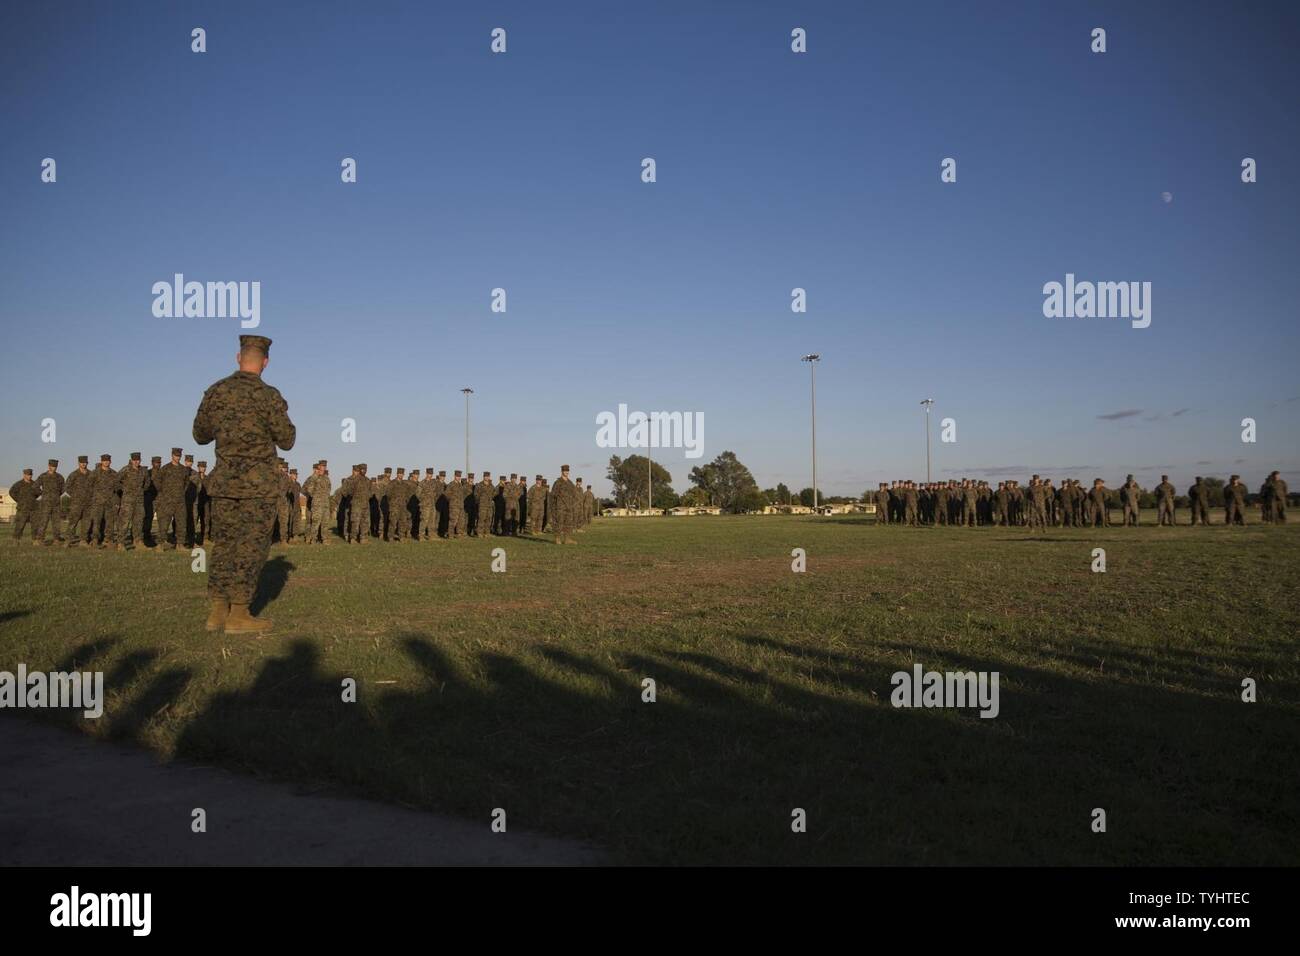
695 510
632 512
787 510
853 507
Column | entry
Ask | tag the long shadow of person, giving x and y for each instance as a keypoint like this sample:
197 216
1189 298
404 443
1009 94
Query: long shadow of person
274 577
291 721
162 691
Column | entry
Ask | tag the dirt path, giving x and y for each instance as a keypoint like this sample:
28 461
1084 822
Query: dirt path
68 800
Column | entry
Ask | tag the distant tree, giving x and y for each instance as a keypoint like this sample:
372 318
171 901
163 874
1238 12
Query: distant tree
806 497
695 498
725 480
751 500
628 476
705 478
783 495
665 497
615 475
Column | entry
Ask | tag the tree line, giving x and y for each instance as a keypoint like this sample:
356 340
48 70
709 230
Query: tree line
724 483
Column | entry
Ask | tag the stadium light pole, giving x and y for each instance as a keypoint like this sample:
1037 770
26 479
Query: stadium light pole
812 359
927 402
468 392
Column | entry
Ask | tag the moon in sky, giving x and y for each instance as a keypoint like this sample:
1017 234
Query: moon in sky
1167 197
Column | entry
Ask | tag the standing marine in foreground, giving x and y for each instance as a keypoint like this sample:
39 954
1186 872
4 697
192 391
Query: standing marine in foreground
562 508
248 419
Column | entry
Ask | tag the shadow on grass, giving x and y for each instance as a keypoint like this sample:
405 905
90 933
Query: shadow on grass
752 724
275 575
83 655
711 771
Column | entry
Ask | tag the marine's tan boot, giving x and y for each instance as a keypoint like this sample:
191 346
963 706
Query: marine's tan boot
239 621
217 615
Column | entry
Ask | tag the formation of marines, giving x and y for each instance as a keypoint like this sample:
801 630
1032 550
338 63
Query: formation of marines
1040 504
252 495
403 507
166 506
114 507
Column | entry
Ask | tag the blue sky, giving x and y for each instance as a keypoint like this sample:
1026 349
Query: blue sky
775 170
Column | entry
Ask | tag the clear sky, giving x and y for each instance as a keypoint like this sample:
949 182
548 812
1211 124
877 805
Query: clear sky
775 170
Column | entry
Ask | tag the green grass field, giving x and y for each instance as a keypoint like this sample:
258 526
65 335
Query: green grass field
522 689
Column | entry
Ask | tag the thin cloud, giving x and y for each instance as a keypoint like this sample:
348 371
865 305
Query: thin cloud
1116 416
1181 411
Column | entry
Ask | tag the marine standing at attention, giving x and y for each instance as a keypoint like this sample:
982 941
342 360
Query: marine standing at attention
248 419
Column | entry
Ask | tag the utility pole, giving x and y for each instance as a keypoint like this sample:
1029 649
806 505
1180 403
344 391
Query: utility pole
927 402
468 392
812 360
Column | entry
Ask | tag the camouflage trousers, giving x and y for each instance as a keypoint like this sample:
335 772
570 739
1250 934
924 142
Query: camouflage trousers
282 512
564 521
455 522
318 526
203 521
358 522
103 521
1199 511
45 517
131 517
170 511
399 522
22 520
1165 510
428 519
241 540
78 520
